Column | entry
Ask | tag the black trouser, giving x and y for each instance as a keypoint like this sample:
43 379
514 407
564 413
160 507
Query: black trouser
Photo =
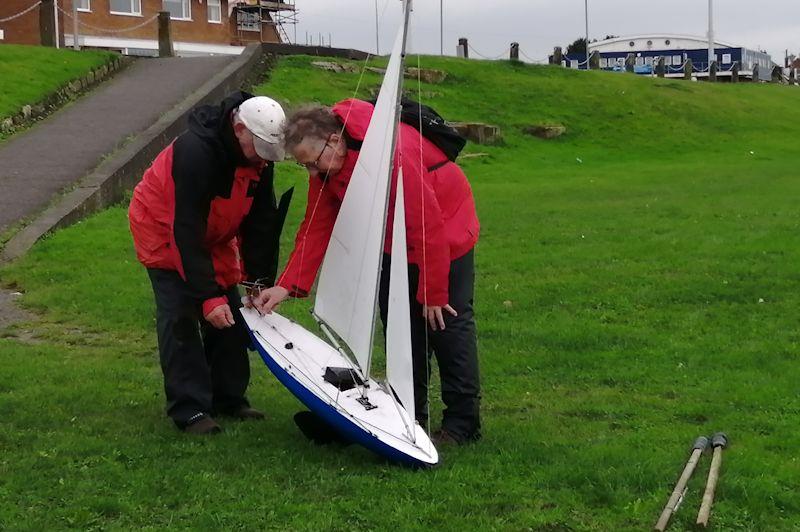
455 348
206 370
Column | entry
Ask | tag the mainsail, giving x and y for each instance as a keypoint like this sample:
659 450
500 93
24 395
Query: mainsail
348 284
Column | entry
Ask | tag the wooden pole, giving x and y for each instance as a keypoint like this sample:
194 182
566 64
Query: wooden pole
719 441
165 48
47 24
680 488
661 67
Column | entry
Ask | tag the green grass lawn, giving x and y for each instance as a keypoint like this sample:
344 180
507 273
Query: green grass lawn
29 73
637 286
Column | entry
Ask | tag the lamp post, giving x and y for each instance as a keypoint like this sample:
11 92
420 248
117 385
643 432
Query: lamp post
441 27
377 36
711 55
586 8
75 44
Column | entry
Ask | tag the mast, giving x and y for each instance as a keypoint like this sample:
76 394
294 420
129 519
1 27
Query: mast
398 108
349 280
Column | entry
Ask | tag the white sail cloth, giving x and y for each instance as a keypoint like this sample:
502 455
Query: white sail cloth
399 365
346 293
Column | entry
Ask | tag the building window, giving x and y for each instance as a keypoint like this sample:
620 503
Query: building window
668 60
648 61
631 44
178 9
83 5
126 7
726 59
573 63
639 61
667 42
248 21
677 60
215 11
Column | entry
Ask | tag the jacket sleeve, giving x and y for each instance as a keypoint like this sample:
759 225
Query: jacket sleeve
311 241
193 170
261 230
428 237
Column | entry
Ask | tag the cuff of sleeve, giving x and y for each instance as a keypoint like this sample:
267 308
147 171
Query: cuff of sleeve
210 304
294 290
434 298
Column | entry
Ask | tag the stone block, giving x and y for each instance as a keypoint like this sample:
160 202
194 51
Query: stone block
545 131
478 133
428 75
26 111
7 125
332 66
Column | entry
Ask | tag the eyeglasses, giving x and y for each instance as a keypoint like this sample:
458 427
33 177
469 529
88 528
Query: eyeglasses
315 164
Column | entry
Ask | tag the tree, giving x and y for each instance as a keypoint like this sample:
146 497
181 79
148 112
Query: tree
577 47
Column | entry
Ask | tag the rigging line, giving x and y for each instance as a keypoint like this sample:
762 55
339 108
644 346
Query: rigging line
325 179
289 340
325 395
420 277
306 372
392 156
325 329
387 387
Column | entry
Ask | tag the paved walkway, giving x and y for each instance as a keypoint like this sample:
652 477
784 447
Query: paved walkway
57 152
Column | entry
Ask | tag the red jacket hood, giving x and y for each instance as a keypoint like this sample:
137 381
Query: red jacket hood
355 115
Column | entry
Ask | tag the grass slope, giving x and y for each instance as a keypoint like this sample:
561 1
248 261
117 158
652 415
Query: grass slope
29 73
626 304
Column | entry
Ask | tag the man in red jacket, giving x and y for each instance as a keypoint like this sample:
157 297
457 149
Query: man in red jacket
203 218
440 252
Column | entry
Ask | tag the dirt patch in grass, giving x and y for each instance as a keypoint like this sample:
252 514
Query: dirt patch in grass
12 315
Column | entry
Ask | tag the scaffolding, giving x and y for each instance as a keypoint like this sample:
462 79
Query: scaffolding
267 13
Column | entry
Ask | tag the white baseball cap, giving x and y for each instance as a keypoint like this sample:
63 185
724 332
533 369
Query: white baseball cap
264 118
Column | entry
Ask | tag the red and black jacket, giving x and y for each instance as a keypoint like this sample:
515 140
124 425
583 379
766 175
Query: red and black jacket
203 210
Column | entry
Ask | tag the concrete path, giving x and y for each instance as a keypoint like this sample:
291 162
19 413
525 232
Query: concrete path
57 152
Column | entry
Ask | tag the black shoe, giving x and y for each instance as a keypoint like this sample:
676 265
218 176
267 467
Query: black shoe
202 424
243 413
444 438
447 438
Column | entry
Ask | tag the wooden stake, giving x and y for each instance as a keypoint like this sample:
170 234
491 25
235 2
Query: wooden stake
719 441
680 488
